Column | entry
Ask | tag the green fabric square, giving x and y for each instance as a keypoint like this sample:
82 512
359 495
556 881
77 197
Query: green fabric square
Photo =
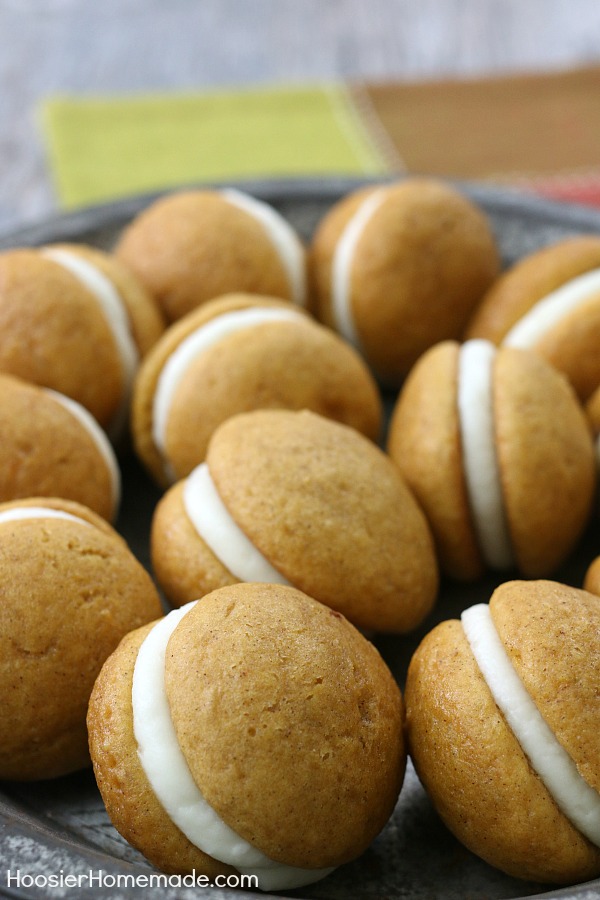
103 148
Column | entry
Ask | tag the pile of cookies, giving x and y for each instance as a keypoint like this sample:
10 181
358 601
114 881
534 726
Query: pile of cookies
236 712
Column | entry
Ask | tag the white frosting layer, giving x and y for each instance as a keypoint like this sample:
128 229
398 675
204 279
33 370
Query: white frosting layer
171 780
100 439
213 522
549 311
115 315
18 513
190 349
341 271
480 463
282 236
579 802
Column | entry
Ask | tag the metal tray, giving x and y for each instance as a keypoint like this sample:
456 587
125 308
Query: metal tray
60 828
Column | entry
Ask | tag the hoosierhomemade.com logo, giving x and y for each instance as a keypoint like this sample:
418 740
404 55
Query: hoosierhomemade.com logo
98 878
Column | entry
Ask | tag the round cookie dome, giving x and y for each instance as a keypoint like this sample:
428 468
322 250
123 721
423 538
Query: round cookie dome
51 446
74 319
498 451
502 725
400 267
292 497
549 302
255 730
192 246
71 589
238 353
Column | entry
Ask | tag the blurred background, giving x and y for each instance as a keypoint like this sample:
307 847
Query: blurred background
397 82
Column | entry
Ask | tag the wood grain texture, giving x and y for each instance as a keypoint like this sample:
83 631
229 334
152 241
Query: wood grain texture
119 46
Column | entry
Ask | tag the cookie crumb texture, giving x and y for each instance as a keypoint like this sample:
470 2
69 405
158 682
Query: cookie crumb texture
289 720
69 593
473 767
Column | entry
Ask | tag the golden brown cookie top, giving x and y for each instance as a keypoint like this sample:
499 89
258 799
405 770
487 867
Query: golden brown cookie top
71 590
145 318
527 281
552 634
543 440
330 512
254 352
191 246
76 320
47 450
424 440
475 771
422 260
497 449
273 696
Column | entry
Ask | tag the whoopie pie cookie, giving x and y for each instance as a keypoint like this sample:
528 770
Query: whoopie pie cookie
192 246
399 267
549 302
503 725
498 451
71 589
254 731
52 446
234 354
75 319
294 498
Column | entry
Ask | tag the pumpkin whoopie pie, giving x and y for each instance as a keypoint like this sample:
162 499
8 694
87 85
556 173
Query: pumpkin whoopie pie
71 589
52 446
75 319
238 353
192 246
549 301
503 726
498 450
255 731
291 497
399 267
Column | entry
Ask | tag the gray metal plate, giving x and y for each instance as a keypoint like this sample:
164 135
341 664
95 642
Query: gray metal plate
53 829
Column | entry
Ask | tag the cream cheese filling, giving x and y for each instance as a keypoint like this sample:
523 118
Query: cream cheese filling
213 522
191 347
341 269
480 462
115 315
19 513
171 780
548 312
99 438
282 236
579 802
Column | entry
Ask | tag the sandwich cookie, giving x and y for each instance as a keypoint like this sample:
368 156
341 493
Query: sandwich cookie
52 446
550 302
71 589
502 725
74 319
238 353
192 246
294 498
399 267
498 451
254 731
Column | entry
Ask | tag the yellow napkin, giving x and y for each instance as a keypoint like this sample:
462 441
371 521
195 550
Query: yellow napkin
103 148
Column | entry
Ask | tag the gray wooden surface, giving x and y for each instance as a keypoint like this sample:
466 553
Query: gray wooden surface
100 46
